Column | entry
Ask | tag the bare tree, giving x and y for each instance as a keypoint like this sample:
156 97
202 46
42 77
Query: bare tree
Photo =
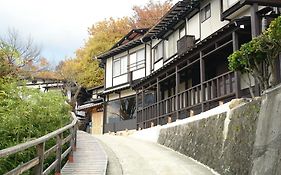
18 53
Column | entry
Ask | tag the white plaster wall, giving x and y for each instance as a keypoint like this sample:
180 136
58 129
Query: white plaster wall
138 74
120 80
155 41
136 48
128 92
192 26
214 23
158 65
121 54
108 73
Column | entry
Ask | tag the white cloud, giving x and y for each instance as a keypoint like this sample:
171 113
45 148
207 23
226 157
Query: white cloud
60 26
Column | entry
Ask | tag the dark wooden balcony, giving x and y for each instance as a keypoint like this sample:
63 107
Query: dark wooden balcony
221 88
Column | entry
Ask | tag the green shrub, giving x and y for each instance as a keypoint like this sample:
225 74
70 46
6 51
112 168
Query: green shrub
26 114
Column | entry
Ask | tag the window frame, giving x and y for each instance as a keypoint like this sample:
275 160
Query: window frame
139 64
154 49
119 101
203 13
119 59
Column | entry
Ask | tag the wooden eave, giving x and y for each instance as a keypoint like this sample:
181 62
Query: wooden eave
274 3
132 35
178 12
241 3
131 40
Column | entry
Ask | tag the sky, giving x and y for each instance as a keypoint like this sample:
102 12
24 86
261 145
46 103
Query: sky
59 27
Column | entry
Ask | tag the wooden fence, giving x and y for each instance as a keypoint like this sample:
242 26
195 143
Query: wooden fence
37 163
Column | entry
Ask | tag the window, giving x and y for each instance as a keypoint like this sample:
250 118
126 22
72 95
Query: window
123 109
206 13
116 67
172 45
120 66
158 52
124 65
137 60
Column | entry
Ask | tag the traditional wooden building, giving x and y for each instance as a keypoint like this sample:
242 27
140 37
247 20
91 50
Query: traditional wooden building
93 109
124 63
186 66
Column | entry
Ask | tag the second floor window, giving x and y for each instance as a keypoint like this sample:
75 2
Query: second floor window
206 13
120 66
158 52
137 60
172 45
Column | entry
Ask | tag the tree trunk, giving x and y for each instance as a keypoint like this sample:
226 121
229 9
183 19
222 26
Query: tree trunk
250 86
274 70
74 98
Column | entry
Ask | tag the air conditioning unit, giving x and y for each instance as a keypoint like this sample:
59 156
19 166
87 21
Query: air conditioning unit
185 43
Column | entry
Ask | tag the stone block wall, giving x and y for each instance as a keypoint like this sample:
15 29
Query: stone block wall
223 142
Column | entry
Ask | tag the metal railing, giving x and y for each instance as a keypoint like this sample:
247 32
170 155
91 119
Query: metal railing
41 154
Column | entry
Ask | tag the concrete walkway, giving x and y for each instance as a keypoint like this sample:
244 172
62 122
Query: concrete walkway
130 156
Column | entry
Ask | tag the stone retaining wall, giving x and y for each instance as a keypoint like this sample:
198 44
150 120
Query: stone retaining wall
223 142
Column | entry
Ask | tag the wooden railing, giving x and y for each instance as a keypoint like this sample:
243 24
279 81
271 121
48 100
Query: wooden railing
167 106
38 162
190 97
215 89
149 112
219 87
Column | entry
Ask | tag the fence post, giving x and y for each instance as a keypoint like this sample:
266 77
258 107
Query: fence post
72 144
58 154
40 149
75 136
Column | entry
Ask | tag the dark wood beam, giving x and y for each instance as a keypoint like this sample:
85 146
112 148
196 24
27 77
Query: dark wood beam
202 79
236 74
255 28
176 92
158 99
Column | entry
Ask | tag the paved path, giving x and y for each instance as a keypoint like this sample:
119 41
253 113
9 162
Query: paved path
89 157
130 156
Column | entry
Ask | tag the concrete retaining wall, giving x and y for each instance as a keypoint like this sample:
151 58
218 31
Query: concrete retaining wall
223 142
267 147
246 140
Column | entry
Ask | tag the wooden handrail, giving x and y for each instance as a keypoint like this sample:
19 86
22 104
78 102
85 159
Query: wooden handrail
40 147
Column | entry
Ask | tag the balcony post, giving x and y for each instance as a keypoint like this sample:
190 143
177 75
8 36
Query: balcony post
177 93
142 103
158 99
202 79
137 107
255 24
235 43
255 29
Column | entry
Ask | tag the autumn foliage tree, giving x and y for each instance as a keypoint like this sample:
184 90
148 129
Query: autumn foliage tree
148 15
83 69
